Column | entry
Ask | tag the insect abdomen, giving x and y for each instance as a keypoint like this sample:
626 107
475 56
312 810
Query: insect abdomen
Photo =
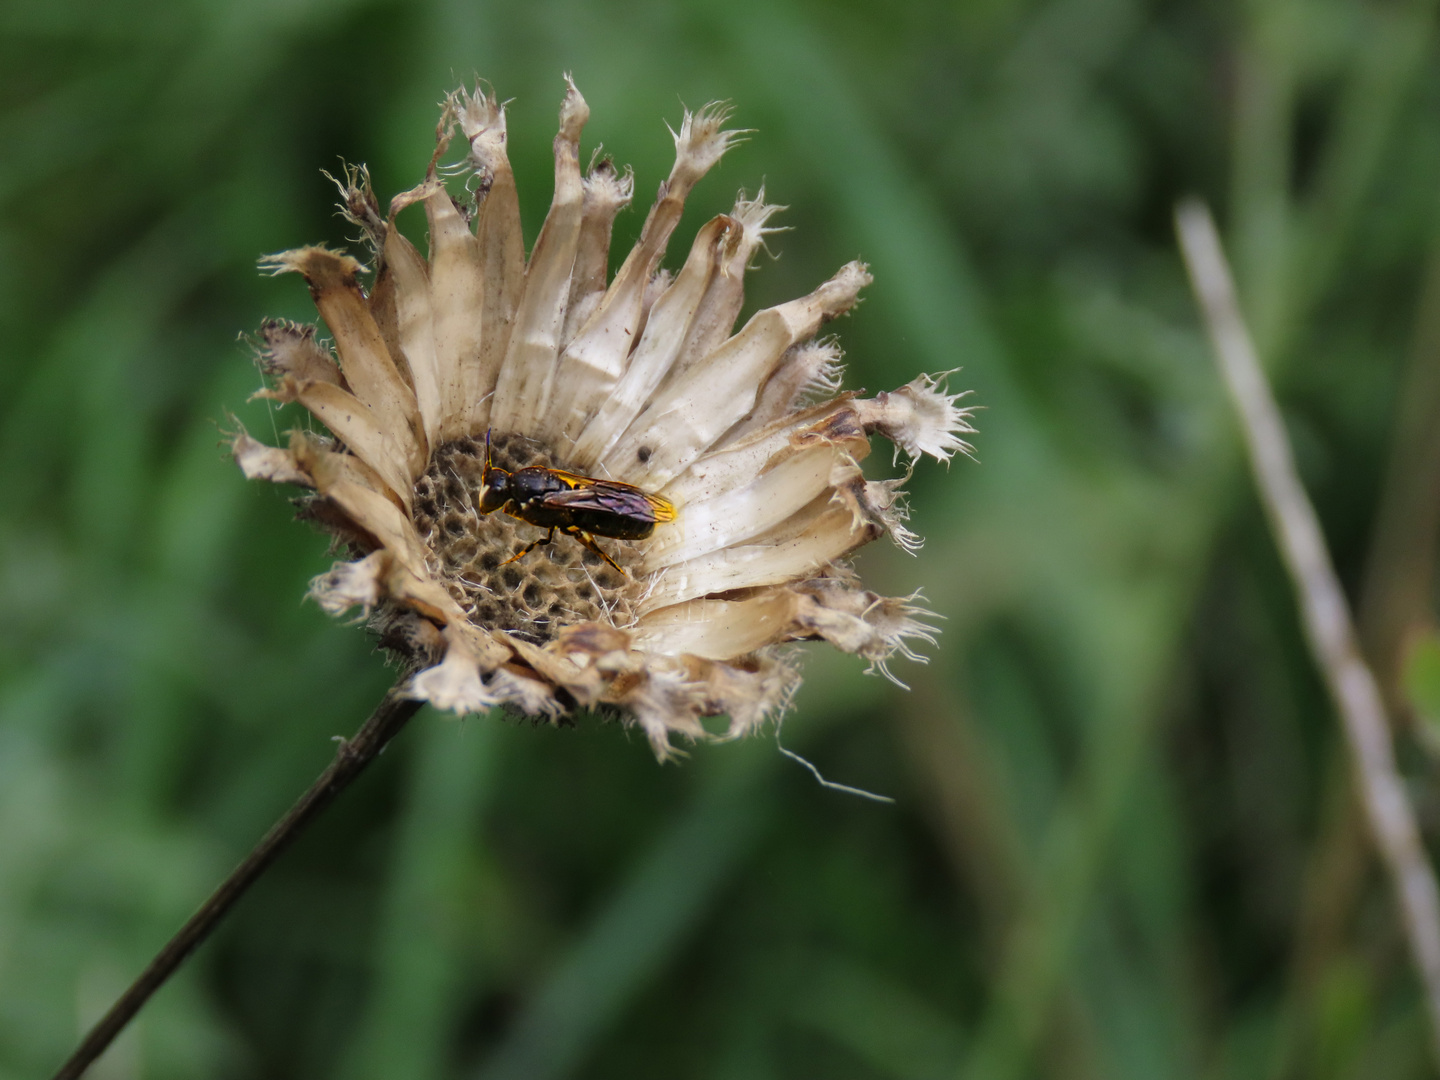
618 526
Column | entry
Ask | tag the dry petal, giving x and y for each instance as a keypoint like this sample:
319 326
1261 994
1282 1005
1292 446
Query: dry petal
369 369
291 349
260 462
920 418
692 411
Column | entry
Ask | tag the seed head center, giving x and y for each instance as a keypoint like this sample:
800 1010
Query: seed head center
554 586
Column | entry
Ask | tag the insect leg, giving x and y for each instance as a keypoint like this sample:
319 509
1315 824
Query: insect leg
549 536
589 541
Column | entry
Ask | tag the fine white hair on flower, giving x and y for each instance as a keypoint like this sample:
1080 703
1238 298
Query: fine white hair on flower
561 489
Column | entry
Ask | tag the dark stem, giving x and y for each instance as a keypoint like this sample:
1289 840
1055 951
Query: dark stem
351 757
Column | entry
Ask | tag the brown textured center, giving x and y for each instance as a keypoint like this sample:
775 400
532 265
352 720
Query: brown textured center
555 585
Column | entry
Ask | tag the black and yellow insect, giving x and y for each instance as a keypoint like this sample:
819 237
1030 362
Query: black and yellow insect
579 506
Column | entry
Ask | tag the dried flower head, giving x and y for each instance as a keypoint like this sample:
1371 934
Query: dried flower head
477 357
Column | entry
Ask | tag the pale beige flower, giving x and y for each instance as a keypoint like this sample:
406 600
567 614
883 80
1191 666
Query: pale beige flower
641 381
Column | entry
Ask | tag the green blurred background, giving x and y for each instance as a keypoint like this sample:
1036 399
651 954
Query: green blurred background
1124 843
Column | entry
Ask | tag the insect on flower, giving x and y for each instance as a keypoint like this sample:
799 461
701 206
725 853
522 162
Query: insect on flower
642 377
579 506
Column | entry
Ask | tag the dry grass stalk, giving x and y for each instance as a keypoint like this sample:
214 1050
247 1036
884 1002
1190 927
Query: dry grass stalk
1324 611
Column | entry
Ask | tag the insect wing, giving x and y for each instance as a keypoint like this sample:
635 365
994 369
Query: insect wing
610 497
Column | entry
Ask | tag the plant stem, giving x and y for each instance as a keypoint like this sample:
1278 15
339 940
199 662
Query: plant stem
351 758
1324 612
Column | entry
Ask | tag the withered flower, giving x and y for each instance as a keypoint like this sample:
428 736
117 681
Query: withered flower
641 381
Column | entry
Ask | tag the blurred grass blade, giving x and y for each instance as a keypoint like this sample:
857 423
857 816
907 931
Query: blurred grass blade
643 926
